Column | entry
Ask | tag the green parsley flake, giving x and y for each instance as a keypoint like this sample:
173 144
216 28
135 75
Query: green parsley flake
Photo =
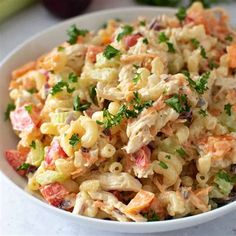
229 38
73 32
60 49
168 157
137 77
93 94
142 23
178 103
59 87
78 106
126 30
202 112
164 39
199 85
181 152
28 108
10 107
73 78
203 52
228 109
33 145
163 165
223 175
195 43
181 14
110 52
24 166
32 90
74 140
212 65
145 41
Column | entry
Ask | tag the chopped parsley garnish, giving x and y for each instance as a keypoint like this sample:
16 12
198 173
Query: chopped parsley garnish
145 41
203 112
212 65
73 78
32 90
60 49
131 110
163 165
73 32
74 140
28 108
93 94
223 175
151 216
203 52
199 85
195 43
135 66
178 102
181 152
181 14
10 107
78 106
164 39
59 87
168 157
127 29
33 145
137 77
142 22
229 38
228 108
110 52
24 166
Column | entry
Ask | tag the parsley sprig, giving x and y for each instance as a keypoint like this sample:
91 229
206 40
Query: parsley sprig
79 106
73 32
73 78
110 52
131 110
179 103
10 107
228 109
164 39
74 140
126 30
24 166
181 14
58 87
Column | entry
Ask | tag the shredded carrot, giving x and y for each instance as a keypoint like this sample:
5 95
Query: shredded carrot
232 55
23 69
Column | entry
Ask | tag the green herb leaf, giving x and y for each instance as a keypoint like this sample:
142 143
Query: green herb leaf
74 140
142 23
78 106
195 43
137 77
181 152
59 87
178 103
145 41
32 90
28 108
228 108
10 107
73 78
60 49
93 94
212 65
33 145
24 166
110 52
163 38
73 32
203 52
171 48
203 112
229 38
154 217
181 14
168 157
163 165
223 175
127 29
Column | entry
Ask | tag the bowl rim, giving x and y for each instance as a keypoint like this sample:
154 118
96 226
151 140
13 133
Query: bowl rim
202 217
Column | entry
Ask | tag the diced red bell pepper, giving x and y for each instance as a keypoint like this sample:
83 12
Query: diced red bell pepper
54 152
142 157
131 40
16 159
92 52
22 120
54 193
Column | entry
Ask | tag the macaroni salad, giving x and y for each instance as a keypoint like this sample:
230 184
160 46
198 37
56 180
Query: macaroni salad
134 122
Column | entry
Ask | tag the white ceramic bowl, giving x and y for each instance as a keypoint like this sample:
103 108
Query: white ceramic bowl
35 47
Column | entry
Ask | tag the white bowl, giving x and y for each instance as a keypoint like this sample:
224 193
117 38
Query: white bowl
35 47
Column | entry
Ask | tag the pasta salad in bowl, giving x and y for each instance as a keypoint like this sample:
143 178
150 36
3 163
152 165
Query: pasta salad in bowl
132 122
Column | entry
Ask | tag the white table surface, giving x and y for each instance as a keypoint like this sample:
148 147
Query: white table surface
18 216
